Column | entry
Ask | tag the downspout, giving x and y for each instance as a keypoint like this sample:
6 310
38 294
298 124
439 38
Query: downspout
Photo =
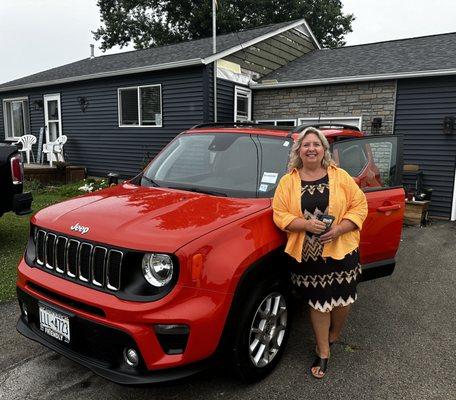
453 208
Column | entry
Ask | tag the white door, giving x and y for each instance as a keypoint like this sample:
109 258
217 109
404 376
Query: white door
52 118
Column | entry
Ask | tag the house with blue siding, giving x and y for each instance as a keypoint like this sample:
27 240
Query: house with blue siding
118 110
121 109
405 87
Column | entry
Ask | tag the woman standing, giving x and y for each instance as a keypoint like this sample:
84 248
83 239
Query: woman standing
325 264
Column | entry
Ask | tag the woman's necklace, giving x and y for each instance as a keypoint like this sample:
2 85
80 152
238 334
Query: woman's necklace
312 175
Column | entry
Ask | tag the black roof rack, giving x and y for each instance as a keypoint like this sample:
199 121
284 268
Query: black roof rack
238 125
328 124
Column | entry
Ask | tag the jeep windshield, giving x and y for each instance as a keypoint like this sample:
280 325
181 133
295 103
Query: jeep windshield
221 164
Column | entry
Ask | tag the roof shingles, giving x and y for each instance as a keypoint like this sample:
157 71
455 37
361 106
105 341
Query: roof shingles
194 49
427 53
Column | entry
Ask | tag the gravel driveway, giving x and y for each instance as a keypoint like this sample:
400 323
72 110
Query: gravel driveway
399 343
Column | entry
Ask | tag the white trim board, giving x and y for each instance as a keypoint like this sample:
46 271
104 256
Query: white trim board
348 79
453 207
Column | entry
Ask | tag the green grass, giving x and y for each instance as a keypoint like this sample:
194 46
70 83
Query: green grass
14 231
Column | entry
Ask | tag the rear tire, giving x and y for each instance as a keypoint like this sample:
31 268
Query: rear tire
261 331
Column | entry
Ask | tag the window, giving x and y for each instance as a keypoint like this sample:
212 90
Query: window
240 165
140 106
356 121
353 159
16 117
370 160
277 122
242 104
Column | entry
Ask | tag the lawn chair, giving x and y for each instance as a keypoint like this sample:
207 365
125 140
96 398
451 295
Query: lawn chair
55 149
27 141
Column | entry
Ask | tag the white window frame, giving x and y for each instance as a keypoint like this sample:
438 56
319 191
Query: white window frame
302 121
248 93
52 97
26 126
119 107
274 121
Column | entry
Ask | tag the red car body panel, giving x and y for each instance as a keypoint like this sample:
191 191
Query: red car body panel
197 308
167 218
381 233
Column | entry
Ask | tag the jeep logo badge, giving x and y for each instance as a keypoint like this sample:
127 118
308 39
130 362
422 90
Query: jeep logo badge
79 228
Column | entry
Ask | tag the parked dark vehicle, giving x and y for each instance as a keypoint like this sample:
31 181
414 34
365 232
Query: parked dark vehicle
12 182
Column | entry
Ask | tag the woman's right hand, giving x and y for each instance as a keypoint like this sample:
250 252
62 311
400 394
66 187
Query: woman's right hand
315 226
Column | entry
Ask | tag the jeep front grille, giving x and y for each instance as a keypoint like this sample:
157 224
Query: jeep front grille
94 265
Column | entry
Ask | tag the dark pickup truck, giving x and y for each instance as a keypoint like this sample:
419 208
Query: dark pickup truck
12 197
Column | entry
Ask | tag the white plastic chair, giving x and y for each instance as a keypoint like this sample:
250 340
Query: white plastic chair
55 149
27 141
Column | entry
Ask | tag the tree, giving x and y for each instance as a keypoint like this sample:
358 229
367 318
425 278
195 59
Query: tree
151 23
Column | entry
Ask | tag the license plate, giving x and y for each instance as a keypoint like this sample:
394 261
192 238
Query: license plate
54 324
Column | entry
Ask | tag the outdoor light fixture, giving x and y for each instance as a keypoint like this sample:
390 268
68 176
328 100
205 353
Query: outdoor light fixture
37 105
448 125
376 122
83 103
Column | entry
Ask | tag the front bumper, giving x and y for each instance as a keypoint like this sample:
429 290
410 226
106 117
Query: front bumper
102 326
114 372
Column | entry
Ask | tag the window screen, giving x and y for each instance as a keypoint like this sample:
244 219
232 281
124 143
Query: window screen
140 106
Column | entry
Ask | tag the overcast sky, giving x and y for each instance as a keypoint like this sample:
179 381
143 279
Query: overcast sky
40 34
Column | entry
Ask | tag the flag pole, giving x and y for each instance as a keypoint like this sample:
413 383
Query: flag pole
214 50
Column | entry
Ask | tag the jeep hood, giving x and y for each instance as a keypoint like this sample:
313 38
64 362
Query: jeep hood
146 219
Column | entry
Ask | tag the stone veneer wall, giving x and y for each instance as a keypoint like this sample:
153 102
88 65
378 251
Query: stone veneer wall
364 99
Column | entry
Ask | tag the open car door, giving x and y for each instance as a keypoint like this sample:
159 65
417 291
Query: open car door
375 162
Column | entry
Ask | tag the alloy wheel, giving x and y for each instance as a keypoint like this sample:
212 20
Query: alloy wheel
268 329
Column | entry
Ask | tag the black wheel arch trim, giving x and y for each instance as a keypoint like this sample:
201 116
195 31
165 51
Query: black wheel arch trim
255 273
377 269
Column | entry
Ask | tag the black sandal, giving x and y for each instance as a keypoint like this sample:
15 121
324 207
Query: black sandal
322 364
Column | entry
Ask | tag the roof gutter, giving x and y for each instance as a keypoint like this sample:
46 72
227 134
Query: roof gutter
149 68
356 78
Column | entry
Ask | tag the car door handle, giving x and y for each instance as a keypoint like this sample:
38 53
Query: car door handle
391 207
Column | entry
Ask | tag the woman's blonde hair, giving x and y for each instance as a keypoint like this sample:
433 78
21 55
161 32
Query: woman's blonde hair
295 159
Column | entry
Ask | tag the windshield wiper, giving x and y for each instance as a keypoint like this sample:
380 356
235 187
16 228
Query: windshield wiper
198 190
150 181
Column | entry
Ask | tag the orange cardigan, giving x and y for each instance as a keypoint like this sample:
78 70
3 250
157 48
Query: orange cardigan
346 201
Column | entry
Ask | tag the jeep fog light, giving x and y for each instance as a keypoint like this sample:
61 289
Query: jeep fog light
131 357
157 269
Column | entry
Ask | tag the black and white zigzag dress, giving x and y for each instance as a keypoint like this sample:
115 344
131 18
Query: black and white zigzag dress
325 282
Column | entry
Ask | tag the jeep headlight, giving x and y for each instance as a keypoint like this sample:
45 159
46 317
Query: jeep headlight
157 269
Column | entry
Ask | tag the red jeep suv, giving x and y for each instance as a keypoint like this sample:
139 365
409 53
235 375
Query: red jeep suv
146 281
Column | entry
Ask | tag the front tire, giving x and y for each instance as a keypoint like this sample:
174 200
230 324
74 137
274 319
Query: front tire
262 331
